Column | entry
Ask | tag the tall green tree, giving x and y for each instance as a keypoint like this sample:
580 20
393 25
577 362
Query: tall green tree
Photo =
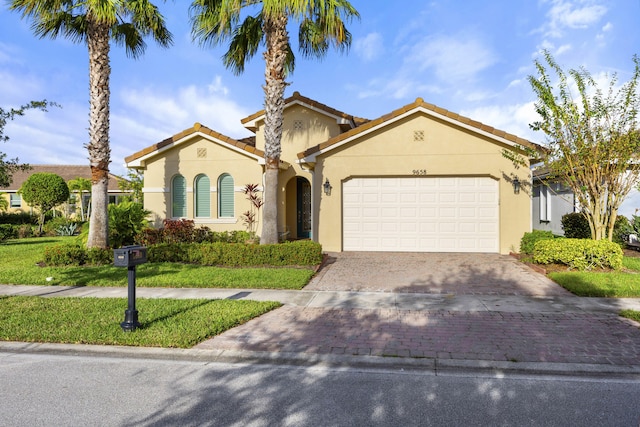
593 139
44 191
248 24
96 23
8 167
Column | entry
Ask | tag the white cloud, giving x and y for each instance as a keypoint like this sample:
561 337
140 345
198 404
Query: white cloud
513 118
369 47
572 14
453 59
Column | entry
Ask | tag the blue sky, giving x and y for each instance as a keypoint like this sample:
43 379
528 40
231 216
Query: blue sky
470 57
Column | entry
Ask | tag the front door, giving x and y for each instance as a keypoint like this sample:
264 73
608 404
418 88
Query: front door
303 198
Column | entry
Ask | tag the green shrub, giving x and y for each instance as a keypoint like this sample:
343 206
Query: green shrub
58 255
18 218
51 226
621 230
25 230
126 220
302 252
99 256
575 226
168 252
7 231
184 231
581 254
530 238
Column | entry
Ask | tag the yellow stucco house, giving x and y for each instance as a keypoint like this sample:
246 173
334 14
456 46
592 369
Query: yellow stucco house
419 179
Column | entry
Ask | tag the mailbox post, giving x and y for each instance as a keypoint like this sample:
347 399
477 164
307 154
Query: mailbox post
130 256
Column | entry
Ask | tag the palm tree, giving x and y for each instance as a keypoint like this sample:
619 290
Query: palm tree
96 23
78 187
322 24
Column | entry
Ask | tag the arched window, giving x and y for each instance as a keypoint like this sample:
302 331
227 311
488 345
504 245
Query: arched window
178 197
202 195
225 196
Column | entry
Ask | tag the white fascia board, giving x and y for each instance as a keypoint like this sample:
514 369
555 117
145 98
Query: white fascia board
312 157
141 161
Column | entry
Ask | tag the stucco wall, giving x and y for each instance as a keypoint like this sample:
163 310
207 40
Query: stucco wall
190 159
445 151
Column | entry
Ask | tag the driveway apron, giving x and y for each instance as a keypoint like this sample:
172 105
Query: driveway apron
543 334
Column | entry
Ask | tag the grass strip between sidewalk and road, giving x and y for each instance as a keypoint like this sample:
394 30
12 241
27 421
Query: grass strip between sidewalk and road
164 322
19 266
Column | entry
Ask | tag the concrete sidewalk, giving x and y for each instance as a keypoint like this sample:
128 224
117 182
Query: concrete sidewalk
552 334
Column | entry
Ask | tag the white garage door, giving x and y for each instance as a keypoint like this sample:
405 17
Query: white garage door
420 214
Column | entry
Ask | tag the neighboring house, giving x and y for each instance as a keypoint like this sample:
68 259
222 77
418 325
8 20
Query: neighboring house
551 200
67 172
420 178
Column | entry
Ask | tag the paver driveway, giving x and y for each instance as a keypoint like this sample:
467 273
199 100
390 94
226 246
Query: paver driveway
448 273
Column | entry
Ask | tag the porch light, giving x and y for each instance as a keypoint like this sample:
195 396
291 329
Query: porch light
516 185
327 187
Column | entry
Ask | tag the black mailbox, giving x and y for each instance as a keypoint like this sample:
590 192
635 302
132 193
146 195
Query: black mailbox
129 256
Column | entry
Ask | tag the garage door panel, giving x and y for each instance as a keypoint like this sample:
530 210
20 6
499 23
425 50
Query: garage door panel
421 214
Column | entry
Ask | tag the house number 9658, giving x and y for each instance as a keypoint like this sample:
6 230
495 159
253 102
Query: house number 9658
419 171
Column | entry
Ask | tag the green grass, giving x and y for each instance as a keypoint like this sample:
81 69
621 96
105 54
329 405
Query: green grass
599 284
164 322
631 263
19 258
631 314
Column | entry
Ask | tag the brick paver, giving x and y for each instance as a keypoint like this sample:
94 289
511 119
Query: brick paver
460 273
498 336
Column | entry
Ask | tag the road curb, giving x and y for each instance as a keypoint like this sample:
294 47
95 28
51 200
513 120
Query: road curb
436 366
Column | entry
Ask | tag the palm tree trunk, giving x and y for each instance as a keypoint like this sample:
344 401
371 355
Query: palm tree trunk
277 40
99 151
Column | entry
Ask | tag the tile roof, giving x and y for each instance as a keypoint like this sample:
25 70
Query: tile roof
246 144
298 98
419 104
67 172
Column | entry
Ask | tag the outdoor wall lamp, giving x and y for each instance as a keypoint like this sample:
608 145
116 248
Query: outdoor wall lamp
516 185
327 187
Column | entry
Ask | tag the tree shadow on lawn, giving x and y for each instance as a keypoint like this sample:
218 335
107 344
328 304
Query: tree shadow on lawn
107 275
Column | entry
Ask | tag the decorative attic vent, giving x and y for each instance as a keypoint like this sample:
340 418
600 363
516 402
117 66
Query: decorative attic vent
418 135
202 153
298 125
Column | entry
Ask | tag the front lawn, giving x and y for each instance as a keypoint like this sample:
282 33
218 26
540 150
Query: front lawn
164 322
19 266
616 284
599 284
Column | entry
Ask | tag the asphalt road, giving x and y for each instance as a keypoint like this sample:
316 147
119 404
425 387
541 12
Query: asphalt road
49 390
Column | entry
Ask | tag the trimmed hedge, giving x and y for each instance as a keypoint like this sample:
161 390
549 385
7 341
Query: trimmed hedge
530 238
302 252
8 231
581 254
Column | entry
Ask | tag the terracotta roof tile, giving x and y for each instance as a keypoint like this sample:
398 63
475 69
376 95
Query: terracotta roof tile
67 172
298 97
419 103
197 127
